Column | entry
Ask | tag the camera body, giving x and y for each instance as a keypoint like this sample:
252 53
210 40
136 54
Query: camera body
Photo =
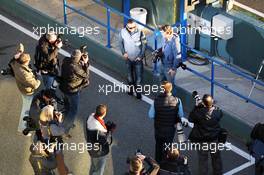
111 126
157 55
31 125
197 98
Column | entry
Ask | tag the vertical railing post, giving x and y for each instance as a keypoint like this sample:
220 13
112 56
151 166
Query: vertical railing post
65 11
108 28
183 23
126 10
155 42
212 79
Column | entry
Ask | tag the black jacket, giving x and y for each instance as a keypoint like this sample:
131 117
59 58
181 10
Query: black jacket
74 76
38 103
46 57
166 111
166 116
179 166
206 124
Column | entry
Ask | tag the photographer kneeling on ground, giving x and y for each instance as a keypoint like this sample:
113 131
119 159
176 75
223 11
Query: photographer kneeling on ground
41 99
174 163
100 134
51 133
74 77
207 130
136 165
26 82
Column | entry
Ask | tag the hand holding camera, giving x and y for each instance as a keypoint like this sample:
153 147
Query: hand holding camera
58 44
58 116
111 126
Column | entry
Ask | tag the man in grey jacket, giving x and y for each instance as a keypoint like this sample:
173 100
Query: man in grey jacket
132 43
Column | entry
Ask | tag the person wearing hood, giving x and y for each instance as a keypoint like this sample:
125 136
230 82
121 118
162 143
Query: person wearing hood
74 77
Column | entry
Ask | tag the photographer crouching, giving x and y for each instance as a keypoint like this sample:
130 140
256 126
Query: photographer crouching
99 133
51 133
207 130
41 99
46 57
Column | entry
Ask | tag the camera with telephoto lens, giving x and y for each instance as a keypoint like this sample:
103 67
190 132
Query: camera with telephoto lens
197 98
157 55
111 126
59 39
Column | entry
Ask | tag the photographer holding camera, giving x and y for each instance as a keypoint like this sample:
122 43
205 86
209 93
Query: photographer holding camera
27 83
51 132
74 77
170 56
99 132
46 57
167 112
136 165
206 130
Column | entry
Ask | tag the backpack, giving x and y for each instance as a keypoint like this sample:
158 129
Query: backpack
256 149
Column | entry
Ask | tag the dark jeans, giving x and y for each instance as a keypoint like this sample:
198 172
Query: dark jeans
162 136
47 80
71 107
98 165
216 162
135 72
259 168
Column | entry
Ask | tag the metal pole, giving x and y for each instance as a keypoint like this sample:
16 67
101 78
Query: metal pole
183 22
108 28
254 84
212 79
65 11
126 10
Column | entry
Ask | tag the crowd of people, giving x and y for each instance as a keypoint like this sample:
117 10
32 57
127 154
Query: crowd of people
50 118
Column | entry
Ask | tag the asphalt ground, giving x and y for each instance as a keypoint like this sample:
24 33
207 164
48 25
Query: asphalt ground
134 129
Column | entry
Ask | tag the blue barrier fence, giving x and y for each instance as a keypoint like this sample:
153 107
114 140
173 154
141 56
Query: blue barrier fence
108 25
213 61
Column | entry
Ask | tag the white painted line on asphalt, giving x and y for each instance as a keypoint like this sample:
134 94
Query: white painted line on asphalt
240 168
113 80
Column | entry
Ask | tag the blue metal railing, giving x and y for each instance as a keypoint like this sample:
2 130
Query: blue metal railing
108 15
213 61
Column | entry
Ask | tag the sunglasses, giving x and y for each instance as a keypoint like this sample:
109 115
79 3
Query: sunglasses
130 28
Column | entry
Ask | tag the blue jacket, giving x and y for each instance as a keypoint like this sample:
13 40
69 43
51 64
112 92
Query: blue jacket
171 52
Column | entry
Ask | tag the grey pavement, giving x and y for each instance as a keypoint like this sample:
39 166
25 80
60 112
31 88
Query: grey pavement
134 129
247 112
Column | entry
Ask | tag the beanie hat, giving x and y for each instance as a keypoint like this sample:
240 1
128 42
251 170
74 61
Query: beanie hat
76 55
24 58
